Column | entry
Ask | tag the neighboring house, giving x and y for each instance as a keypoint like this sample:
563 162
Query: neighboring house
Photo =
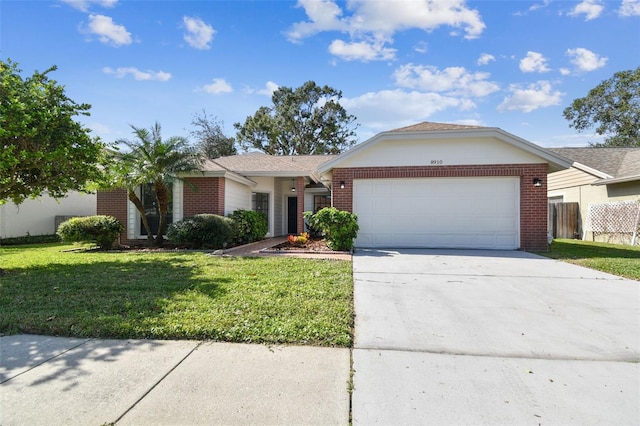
41 215
597 175
428 185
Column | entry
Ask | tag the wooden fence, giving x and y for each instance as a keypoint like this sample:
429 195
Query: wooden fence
564 220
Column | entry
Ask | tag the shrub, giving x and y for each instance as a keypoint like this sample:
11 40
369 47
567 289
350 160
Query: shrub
339 227
248 226
202 230
102 230
29 239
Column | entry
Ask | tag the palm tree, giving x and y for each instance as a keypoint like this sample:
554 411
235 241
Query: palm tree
154 161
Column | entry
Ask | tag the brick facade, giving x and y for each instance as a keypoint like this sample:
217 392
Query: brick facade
533 200
114 203
206 197
300 207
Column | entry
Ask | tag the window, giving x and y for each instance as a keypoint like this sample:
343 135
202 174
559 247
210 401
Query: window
320 202
260 203
148 198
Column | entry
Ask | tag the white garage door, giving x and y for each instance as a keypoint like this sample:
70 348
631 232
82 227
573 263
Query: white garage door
438 212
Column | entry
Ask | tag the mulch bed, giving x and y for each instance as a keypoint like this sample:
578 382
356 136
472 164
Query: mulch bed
313 245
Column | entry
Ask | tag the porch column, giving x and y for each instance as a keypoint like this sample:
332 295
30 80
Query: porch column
300 208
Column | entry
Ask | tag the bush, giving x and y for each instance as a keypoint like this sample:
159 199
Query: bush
339 227
102 230
248 226
29 239
202 230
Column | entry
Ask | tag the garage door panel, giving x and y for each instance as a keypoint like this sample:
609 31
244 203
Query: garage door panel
438 212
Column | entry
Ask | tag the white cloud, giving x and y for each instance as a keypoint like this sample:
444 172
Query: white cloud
485 58
137 74
386 17
629 8
586 60
452 80
361 51
565 71
218 87
380 20
83 5
268 90
396 108
270 87
534 62
591 9
199 35
421 47
529 98
109 32
324 15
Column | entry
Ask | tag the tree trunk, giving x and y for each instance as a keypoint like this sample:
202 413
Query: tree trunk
162 197
143 215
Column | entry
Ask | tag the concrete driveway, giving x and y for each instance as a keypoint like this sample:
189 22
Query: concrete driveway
486 337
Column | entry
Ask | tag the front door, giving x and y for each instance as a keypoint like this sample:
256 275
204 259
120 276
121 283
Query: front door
292 215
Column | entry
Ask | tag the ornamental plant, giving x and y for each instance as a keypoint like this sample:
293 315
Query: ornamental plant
339 227
298 240
102 230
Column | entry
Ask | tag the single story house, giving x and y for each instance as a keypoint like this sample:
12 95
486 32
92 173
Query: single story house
42 215
597 175
427 185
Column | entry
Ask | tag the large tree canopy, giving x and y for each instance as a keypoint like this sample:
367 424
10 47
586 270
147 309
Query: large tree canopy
613 106
210 138
150 160
43 148
306 120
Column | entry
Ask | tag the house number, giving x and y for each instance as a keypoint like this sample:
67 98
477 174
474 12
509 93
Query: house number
436 162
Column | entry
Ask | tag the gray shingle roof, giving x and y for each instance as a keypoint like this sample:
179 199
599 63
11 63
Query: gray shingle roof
616 162
257 162
428 126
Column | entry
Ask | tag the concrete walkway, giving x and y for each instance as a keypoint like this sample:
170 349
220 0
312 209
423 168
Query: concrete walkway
499 338
260 248
59 381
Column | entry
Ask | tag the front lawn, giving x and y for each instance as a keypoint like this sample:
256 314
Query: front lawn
614 259
174 295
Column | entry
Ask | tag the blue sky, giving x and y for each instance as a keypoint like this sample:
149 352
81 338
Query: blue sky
509 64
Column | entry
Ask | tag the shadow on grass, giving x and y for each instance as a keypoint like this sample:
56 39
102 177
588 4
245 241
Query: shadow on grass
106 298
578 249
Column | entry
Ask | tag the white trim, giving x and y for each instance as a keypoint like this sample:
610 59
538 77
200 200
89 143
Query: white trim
178 200
617 180
590 170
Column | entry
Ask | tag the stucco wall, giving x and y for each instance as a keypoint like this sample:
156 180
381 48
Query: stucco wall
37 217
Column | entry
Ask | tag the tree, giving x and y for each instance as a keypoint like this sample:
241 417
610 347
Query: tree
306 120
614 106
210 138
43 148
154 161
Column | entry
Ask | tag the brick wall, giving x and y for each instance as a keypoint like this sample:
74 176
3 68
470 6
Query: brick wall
207 197
533 200
114 203
300 207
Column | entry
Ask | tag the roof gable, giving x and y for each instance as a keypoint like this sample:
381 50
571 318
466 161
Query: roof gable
504 146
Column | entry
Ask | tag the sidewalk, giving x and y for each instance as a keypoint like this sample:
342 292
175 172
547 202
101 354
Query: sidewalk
61 381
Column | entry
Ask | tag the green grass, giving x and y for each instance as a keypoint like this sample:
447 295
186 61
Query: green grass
175 295
614 259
